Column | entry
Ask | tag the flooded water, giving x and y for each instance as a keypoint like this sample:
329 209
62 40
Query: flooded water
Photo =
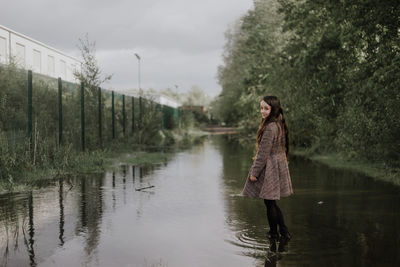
189 212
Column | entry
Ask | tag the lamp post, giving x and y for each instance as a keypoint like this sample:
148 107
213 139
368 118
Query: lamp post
138 58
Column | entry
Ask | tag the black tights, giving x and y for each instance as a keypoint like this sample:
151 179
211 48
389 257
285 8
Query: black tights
275 218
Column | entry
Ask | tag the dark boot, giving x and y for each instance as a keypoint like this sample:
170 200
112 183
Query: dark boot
283 242
272 244
273 238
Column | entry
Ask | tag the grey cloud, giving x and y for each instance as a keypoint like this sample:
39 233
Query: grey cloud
186 34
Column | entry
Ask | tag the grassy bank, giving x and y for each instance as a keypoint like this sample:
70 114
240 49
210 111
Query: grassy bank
376 170
82 163
75 163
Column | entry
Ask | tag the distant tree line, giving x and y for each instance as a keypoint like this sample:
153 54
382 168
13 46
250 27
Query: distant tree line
192 118
335 66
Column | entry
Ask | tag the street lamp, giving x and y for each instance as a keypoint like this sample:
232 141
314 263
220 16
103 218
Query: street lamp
138 58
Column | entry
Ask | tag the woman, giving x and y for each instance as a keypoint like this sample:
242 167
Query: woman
269 176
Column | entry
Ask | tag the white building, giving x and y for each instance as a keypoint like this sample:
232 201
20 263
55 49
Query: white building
41 58
156 97
36 56
164 100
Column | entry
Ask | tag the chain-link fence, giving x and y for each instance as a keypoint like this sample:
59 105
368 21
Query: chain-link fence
40 115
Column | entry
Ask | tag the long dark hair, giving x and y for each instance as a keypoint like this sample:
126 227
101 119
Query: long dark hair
276 115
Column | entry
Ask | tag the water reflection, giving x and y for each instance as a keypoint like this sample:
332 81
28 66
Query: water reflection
272 259
114 200
91 210
189 212
337 218
30 221
31 230
124 181
61 203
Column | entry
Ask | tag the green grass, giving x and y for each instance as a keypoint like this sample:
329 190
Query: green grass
82 163
75 163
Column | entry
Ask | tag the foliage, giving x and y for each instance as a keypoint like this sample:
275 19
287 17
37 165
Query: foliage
90 73
194 97
18 156
333 64
151 123
91 76
12 105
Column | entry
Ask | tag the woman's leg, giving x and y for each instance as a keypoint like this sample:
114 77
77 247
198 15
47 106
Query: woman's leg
273 219
283 230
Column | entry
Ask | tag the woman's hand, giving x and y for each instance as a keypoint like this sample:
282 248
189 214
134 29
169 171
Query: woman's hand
253 178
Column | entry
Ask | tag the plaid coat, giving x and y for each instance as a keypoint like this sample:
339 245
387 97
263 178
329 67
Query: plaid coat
270 167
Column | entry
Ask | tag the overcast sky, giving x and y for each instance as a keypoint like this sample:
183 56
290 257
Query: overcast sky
180 41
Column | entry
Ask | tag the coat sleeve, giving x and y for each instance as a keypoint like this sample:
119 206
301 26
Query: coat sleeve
264 150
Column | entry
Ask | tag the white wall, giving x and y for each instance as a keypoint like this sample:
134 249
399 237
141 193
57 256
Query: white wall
168 102
163 100
4 46
36 56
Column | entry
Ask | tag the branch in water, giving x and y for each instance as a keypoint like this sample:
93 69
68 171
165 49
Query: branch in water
140 189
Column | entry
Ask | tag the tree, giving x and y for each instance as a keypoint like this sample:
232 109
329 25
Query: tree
332 63
91 76
250 58
90 73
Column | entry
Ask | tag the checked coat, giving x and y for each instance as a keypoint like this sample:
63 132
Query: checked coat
270 167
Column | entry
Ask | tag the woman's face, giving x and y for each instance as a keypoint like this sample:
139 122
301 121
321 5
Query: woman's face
265 109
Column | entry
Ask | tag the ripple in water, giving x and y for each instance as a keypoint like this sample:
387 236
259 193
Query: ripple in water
246 241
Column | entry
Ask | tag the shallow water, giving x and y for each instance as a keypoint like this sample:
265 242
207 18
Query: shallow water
193 215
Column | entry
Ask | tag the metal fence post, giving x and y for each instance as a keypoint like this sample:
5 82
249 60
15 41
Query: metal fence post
30 110
100 118
133 114
140 112
112 115
60 124
83 115
162 116
123 115
179 117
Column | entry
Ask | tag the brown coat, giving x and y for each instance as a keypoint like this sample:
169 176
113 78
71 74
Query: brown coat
270 167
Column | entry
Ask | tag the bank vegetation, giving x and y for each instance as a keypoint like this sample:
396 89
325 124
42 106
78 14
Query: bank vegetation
333 64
